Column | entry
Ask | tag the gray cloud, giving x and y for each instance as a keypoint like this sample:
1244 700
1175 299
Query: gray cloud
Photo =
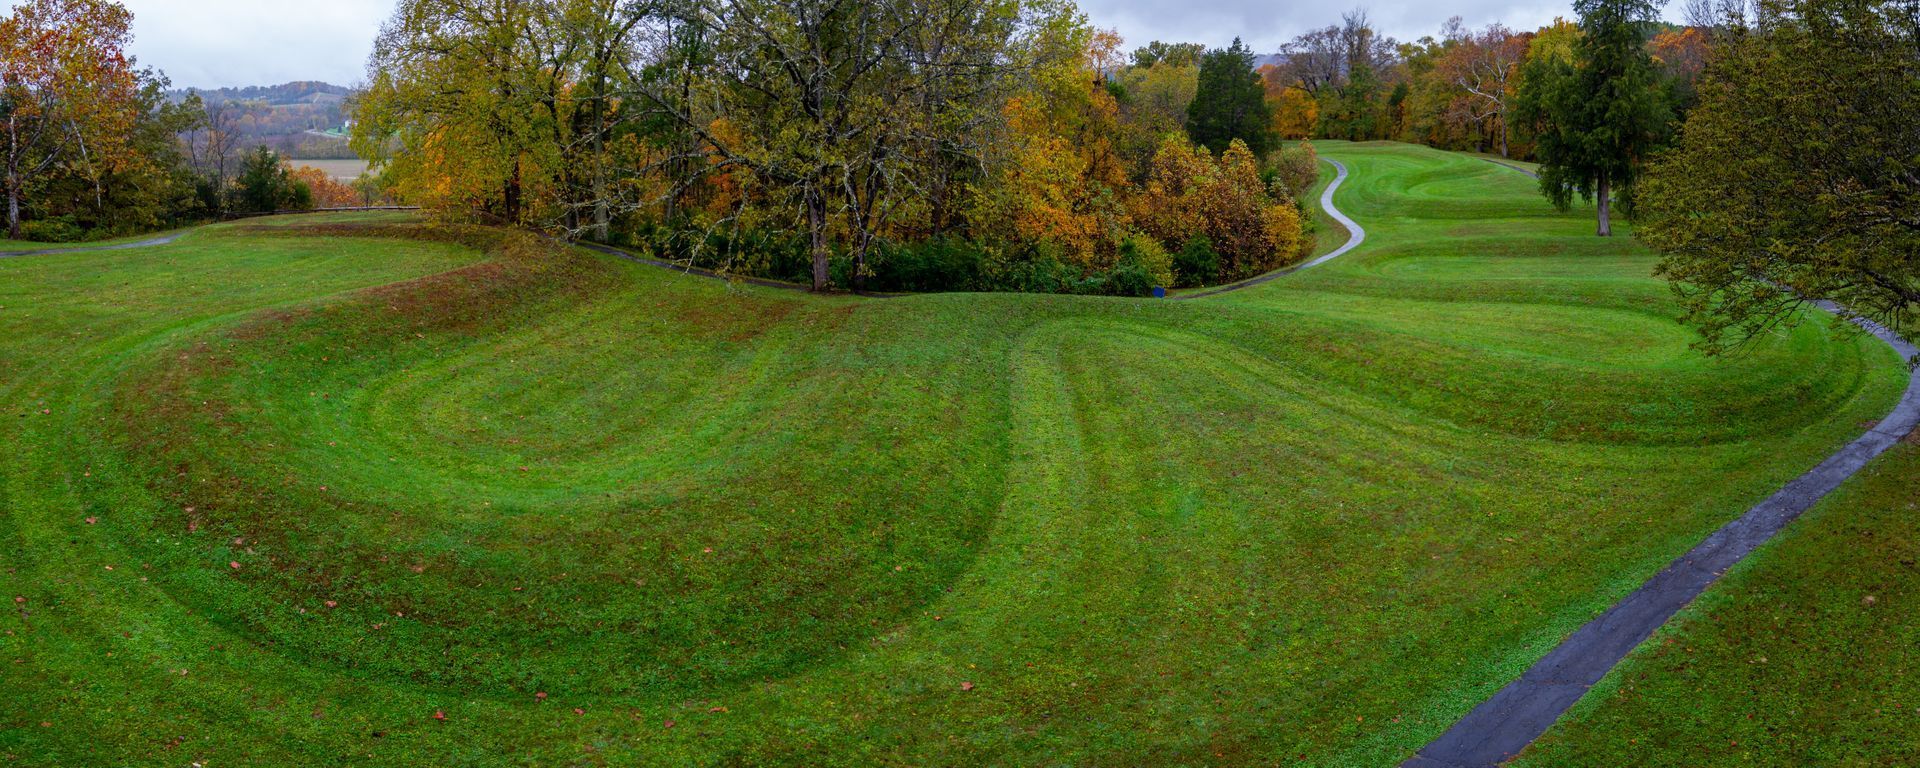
217 43
214 43
1265 25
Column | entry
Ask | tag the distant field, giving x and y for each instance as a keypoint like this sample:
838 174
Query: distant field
344 170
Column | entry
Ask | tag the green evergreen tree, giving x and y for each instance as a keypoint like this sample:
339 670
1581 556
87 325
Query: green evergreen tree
1231 102
1596 117
265 185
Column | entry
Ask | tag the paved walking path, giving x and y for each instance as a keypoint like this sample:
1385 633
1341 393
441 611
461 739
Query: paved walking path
1356 236
1502 726
161 240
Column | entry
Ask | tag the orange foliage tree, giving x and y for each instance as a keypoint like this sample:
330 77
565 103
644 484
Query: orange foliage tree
1253 228
1295 112
328 192
68 94
1484 70
1681 53
1059 179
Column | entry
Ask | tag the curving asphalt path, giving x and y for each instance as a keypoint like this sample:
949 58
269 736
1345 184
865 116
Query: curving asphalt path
161 240
1502 726
1356 236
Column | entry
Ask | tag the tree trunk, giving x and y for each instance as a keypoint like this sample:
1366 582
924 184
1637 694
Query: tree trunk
600 214
817 231
860 261
13 209
1606 206
1503 138
600 217
13 176
512 196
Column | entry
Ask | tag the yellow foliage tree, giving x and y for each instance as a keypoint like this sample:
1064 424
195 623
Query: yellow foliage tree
1252 228
1059 180
1295 112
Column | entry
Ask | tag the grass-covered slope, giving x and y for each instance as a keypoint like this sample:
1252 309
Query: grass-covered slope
1805 655
323 494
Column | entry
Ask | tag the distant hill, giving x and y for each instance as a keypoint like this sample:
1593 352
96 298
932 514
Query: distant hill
305 119
301 93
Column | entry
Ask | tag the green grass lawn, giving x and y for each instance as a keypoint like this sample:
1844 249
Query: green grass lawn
279 494
1805 655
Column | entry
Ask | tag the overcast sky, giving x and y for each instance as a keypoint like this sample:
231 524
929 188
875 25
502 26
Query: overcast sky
216 43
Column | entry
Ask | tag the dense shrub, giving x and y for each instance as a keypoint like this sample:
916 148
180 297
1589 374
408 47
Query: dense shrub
1296 168
930 266
1196 263
939 264
1143 265
60 229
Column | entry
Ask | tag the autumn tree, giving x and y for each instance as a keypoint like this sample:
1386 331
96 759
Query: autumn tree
1191 192
1104 57
836 108
325 190
1321 60
1349 69
1173 54
212 141
1231 102
1294 111
68 95
1485 68
463 89
1433 117
1058 180
153 186
1797 177
1680 56
1596 117
1155 102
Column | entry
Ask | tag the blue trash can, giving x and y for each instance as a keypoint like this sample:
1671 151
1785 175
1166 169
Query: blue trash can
1159 292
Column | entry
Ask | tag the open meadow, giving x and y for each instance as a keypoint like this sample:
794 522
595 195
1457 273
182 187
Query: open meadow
360 490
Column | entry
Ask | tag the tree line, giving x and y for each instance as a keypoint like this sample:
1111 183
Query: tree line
93 145
1615 75
890 144
1769 147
